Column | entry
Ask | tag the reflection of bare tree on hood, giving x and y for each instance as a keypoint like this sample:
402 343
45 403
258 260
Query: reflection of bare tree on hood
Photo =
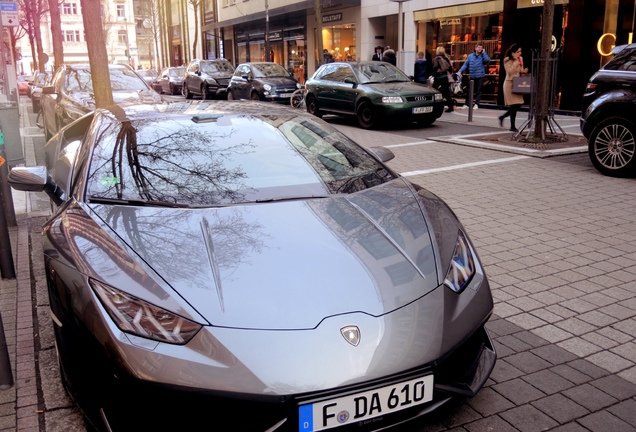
171 238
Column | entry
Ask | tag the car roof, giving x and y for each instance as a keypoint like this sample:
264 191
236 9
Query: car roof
619 48
199 111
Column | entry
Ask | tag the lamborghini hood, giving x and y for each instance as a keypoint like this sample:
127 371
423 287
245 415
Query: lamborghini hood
288 264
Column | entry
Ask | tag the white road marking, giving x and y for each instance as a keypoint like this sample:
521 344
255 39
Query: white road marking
466 165
412 144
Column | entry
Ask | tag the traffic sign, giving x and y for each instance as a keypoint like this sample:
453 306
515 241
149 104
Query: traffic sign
9 11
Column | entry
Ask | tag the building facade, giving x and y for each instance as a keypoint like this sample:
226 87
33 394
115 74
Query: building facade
287 32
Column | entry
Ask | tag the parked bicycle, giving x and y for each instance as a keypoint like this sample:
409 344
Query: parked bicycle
297 99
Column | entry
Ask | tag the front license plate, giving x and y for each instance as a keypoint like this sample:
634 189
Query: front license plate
364 406
422 110
286 95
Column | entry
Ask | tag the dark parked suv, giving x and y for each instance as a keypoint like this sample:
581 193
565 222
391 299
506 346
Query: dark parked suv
207 78
608 114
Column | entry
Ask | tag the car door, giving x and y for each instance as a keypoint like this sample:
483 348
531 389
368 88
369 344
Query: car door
240 84
345 89
192 78
48 102
335 94
324 88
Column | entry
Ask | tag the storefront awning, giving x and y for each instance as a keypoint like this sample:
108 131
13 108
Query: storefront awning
460 10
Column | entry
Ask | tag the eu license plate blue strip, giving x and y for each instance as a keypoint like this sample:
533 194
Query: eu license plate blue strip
306 418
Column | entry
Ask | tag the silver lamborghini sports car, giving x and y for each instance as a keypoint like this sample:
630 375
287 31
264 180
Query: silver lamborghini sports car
235 262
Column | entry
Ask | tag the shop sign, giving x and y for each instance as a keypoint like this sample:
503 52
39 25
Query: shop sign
275 35
450 21
332 17
532 3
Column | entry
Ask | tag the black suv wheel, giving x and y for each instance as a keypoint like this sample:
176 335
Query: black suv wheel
608 114
612 147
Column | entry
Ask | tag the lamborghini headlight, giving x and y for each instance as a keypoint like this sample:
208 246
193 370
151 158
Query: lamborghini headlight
462 266
137 317
392 99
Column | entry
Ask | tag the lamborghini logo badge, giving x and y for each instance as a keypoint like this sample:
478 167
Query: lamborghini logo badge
351 334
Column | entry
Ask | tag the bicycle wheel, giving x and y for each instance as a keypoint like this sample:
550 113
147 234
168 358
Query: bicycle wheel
297 99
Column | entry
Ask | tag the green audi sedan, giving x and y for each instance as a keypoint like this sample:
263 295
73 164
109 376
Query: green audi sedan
374 92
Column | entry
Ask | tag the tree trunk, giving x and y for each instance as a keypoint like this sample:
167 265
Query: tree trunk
319 46
195 5
542 103
56 34
38 42
97 54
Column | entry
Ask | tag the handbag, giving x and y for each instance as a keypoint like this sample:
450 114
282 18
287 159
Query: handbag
522 84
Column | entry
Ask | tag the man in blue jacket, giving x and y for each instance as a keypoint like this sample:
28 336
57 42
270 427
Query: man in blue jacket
476 65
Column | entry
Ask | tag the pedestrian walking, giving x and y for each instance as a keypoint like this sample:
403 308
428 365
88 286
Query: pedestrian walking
441 69
475 64
421 68
389 56
378 53
513 64
327 56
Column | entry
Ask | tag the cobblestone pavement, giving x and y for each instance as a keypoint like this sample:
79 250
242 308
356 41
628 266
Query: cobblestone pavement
558 244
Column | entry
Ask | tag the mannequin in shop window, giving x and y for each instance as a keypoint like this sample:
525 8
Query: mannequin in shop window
271 55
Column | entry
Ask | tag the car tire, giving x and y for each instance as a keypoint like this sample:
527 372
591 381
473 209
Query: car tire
186 92
312 106
230 96
366 115
172 90
254 96
612 147
204 93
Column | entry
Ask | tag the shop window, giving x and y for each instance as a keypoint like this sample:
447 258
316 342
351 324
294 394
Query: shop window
459 35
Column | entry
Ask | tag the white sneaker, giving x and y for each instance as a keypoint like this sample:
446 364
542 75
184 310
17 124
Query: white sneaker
475 107
464 107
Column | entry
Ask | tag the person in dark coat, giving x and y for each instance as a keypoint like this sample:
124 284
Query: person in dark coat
378 53
442 66
389 56
421 68
327 56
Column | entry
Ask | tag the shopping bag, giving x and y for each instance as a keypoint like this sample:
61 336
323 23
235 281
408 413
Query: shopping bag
522 84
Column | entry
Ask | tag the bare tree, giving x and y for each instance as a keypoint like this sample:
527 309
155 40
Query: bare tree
196 5
107 20
56 33
150 9
33 12
97 54
542 104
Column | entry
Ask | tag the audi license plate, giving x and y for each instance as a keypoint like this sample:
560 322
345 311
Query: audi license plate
422 110
363 406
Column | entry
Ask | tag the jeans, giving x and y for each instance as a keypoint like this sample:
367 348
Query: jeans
478 82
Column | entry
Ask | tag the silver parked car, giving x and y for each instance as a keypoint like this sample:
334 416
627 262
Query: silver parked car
244 263
170 80
69 95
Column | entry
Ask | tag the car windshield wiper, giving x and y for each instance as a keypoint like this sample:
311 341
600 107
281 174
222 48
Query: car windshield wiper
290 198
103 200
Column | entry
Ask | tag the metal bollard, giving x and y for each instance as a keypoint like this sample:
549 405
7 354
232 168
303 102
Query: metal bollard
471 86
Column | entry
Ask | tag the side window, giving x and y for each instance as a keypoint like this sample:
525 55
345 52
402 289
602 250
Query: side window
328 73
338 73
